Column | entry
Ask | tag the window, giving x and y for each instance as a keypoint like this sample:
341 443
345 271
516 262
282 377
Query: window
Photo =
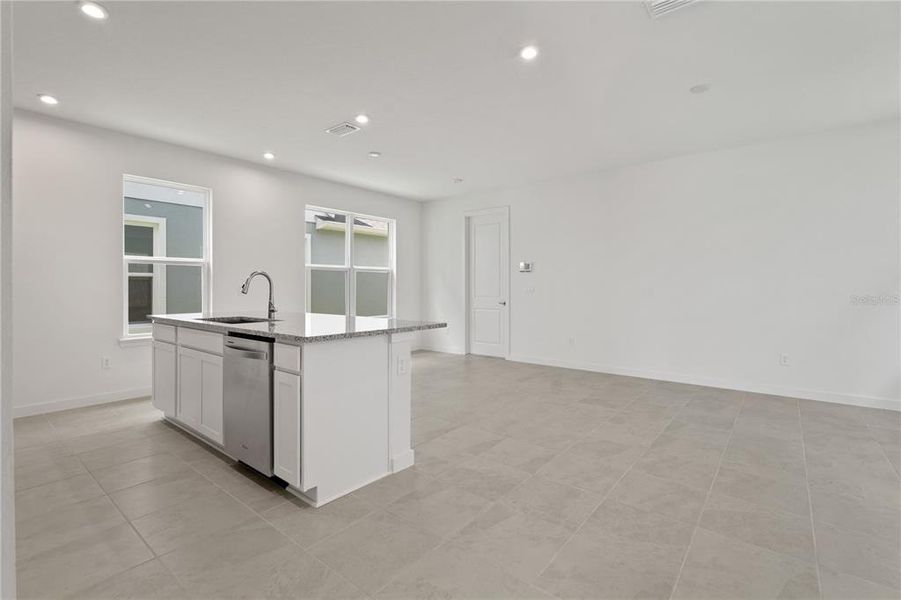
349 274
165 249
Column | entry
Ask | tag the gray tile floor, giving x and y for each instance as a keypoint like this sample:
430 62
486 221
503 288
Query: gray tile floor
530 482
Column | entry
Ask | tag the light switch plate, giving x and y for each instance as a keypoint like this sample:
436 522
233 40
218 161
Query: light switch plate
525 267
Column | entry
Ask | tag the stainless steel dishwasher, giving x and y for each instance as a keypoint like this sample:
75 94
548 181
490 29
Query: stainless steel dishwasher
247 409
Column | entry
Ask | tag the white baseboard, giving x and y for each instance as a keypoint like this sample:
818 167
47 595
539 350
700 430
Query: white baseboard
759 388
41 408
402 461
439 348
319 499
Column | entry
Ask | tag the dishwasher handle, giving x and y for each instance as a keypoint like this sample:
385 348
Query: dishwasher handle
245 353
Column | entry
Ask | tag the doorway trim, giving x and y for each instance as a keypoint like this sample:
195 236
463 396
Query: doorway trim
467 299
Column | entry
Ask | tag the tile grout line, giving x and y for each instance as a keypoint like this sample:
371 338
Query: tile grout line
165 566
104 494
307 552
443 540
707 498
374 510
119 510
108 497
833 525
153 554
884 453
607 493
191 468
813 532
446 540
279 531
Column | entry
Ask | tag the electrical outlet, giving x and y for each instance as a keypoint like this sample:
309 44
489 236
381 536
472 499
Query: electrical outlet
783 359
105 362
571 341
401 366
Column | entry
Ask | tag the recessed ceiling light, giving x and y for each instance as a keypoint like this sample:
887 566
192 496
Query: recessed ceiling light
700 88
268 155
528 53
48 99
148 205
458 180
374 154
93 10
361 119
180 192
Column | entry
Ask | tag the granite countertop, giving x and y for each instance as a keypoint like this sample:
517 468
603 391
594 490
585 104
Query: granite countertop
298 328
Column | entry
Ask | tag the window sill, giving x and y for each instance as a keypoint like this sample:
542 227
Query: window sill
135 340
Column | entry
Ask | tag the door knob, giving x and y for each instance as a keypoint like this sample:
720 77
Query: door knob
503 303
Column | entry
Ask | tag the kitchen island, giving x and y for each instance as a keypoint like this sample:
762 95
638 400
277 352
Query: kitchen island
339 392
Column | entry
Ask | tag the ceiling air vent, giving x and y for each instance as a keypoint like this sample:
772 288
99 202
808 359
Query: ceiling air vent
658 8
342 129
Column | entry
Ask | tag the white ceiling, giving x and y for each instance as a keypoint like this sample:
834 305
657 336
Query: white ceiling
443 84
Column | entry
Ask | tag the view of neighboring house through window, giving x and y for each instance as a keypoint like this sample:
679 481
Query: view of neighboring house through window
349 274
165 250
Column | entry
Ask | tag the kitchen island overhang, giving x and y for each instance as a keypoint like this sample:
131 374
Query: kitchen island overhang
340 401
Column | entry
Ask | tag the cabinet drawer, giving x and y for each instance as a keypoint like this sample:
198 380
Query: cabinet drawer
287 357
164 333
200 340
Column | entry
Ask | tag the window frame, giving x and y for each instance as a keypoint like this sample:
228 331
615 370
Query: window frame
348 268
205 262
158 225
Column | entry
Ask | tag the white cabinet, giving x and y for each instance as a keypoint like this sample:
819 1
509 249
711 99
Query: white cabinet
200 392
164 366
286 427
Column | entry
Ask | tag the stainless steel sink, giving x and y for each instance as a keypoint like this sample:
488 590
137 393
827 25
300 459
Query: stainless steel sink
236 320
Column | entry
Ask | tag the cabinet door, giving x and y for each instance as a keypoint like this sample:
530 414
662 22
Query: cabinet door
200 392
211 397
189 387
164 391
286 427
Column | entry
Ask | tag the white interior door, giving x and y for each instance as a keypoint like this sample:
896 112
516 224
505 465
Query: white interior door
489 271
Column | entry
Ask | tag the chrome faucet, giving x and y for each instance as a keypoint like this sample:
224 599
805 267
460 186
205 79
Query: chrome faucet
246 287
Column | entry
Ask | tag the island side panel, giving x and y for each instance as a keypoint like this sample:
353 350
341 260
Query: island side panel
399 401
345 415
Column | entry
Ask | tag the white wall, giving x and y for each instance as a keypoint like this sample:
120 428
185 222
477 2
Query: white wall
702 268
67 246
7 481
